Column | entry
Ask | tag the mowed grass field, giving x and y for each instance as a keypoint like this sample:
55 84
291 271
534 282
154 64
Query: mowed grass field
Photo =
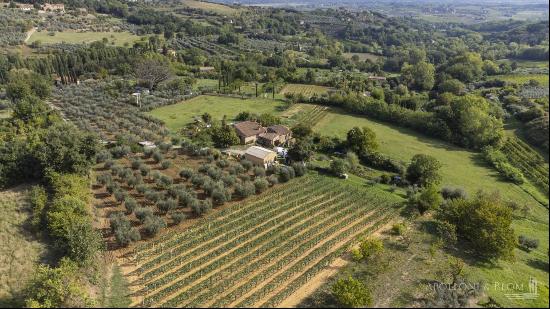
119 38
210 6
306 90
259 252
178 115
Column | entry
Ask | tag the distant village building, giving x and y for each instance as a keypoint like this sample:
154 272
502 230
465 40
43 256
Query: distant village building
253 132
25 7
260 156
206 69
54 7
377 78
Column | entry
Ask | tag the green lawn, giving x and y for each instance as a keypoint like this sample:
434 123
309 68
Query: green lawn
119 38
178 115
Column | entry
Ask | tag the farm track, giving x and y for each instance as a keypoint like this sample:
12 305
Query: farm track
248 254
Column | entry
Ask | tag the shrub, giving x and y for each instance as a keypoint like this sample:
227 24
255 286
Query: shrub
398 229
453 193
166 205
165 164
120 196
370 248
259 171
153 224
527 243
178 217
130 204
261 184
157 156
186 173
220 196
144 170
351 293
245 189
136 164
103 156
164 182
141 188
273 180
286 173
300 169
246 164
427 199
142 213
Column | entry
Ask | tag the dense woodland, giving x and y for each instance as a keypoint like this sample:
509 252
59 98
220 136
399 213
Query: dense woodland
74 126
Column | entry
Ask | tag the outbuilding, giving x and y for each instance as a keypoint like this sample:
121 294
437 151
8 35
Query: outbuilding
260 156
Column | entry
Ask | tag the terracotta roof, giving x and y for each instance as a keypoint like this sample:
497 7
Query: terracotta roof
279 129
259 152
248 128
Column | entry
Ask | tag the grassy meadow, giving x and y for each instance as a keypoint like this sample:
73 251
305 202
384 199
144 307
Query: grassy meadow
178 115
20 251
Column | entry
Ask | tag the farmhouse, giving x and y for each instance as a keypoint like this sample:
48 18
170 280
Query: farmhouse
248 131
252 132
260 156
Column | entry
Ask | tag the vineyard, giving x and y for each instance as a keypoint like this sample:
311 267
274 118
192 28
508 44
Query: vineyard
305 90
257 253
308 115
528 161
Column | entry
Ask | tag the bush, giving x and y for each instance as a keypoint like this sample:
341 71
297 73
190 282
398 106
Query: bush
120 196
178 217
164 182
424 170
261 184
351 293
136 164
453 193
259 171
130 204
166 205
144 170
142 213
528 244
246 164
286 173
427 199
220 196
273 180
153 224
245 189
300 169
370 248
398 229
165 164
157 156
186 173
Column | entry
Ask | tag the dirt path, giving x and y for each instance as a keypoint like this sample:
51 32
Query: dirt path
29 34
320 279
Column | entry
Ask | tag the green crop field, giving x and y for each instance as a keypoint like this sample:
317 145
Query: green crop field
119 38
258 252
178 115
